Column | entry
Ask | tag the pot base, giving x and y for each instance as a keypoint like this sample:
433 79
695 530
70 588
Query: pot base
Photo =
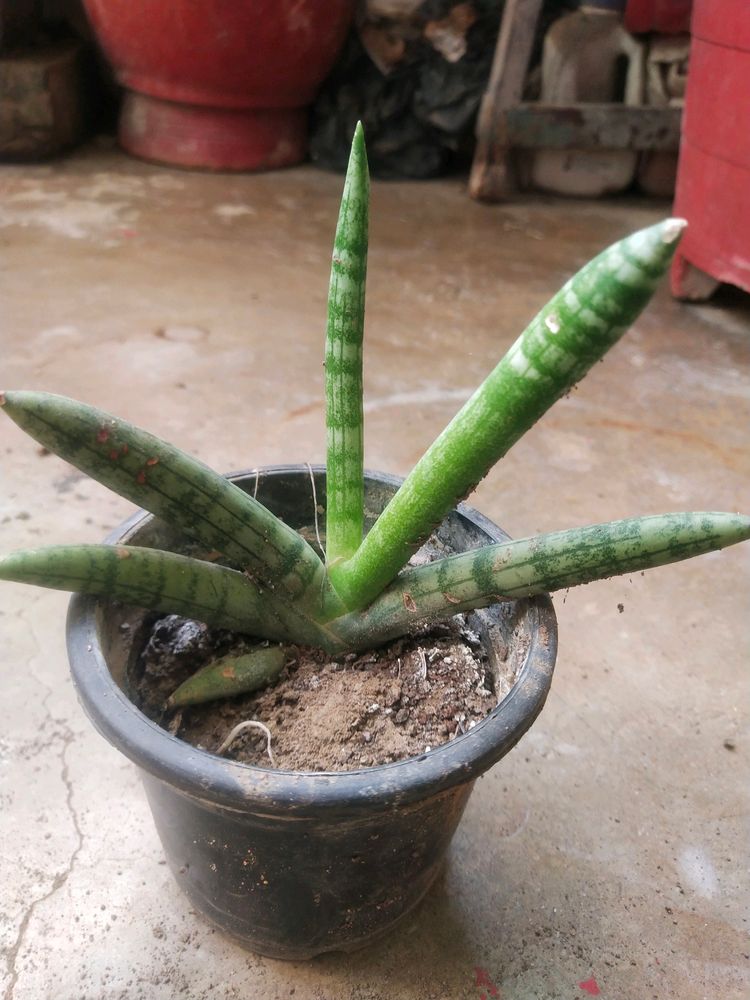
191 135
295 887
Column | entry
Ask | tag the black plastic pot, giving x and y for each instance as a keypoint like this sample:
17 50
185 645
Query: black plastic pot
295 863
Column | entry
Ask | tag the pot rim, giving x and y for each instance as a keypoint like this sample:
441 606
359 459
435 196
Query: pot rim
235 785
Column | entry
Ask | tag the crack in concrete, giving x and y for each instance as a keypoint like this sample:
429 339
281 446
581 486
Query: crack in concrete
66 735
59 879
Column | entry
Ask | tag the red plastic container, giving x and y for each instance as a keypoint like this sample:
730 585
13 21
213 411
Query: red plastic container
713 179
222 84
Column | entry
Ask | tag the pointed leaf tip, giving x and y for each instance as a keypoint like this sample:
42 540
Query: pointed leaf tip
672 230
654 246
359 148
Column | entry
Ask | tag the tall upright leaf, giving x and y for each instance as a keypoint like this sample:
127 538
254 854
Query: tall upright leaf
343 362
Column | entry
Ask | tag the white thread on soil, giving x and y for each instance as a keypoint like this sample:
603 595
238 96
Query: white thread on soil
255 488
241 727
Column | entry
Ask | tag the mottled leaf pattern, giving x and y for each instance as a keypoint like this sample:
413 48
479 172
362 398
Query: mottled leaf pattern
229 676
173 485
573 331
536 565
343 363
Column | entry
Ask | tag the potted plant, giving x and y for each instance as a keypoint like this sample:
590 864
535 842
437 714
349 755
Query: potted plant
294 863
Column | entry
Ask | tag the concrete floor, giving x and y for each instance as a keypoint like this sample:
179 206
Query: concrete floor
612 843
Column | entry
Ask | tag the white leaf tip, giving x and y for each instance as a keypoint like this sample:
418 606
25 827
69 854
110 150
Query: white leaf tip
673 230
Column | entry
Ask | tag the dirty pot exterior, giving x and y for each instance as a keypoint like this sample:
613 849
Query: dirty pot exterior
221 84
293 863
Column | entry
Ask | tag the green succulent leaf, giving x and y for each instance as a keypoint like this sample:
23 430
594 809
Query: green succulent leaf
150 578
176 487
571 333
537 565
230 676
362 596
343 363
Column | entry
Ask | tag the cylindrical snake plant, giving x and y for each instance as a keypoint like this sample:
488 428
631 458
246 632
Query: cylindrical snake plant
360 594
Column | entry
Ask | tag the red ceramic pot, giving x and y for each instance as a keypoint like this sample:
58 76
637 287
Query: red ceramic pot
223 84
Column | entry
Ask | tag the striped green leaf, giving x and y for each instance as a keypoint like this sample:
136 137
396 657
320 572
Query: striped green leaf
174 486
536 565
230 676
577 327
150 578
343 363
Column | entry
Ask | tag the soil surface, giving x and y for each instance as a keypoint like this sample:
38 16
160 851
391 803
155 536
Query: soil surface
325 714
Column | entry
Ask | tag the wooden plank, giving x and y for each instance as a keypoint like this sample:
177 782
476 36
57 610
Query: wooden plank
491 174
589 126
